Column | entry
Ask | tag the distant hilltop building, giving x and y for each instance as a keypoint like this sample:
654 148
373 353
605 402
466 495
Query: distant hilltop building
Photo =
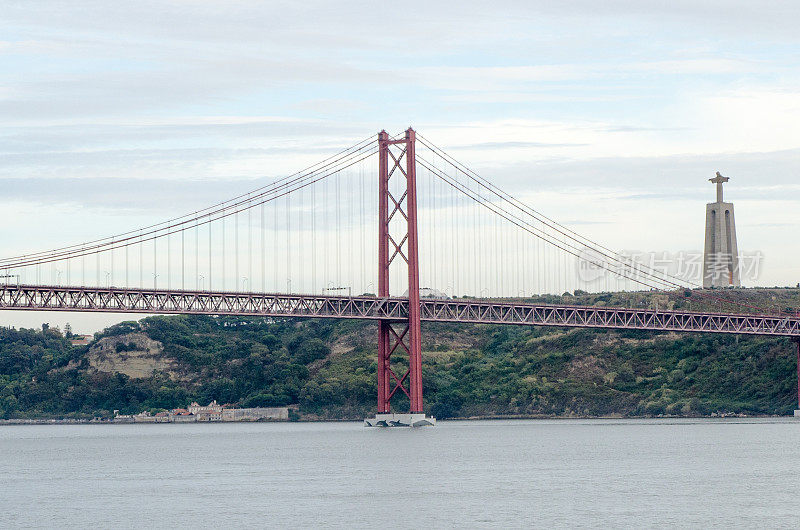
81 340
721 256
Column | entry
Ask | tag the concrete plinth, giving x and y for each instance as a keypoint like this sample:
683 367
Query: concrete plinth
797 413
400 420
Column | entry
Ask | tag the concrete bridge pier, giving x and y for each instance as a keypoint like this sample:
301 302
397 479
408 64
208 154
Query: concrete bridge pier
796 341
400 420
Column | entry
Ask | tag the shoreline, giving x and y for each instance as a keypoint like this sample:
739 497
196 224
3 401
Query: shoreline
70 421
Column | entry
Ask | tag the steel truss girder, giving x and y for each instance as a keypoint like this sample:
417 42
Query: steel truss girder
607 317
151 301
146 301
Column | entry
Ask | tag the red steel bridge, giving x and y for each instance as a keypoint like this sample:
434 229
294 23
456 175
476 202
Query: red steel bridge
315 231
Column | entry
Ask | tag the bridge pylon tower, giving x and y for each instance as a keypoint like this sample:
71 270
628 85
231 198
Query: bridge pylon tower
397 240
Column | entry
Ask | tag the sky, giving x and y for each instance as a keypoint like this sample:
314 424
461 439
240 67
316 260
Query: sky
607 116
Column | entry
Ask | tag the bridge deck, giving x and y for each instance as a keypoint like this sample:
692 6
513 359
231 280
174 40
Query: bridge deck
152 301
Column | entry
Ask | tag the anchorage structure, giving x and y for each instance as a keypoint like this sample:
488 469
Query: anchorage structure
398 240
720 257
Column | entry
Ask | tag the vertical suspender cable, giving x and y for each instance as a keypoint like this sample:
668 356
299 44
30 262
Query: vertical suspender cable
362 208
236 277
196 255
210 256
263 254
348 233
497 260
223 250
436 223
338 233
477 213
326 258
288 245
155 264
301 265
249 246
313 239
275 244
456 257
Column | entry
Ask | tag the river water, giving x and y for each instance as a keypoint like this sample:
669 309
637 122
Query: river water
511 474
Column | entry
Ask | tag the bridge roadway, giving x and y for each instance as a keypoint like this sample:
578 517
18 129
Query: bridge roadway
157 301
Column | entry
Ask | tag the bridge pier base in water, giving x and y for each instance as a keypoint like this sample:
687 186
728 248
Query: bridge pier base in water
797 345
400 420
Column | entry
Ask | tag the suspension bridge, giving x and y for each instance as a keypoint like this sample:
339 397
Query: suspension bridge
292 247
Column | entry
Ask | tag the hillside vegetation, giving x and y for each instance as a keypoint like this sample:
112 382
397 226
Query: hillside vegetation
327 368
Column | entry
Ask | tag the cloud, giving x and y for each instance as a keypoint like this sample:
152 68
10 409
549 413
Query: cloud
634 128
512 145
483 78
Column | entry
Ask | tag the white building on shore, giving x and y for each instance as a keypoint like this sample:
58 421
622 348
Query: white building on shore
213 407
211 413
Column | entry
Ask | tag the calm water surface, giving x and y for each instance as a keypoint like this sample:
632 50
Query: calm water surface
562 473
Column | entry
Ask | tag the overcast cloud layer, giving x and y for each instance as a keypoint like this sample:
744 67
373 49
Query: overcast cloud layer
606 115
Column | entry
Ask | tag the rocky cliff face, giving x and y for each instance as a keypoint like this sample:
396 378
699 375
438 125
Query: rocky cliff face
133 354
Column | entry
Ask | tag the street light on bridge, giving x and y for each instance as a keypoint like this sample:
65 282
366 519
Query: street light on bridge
349 290
6 276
